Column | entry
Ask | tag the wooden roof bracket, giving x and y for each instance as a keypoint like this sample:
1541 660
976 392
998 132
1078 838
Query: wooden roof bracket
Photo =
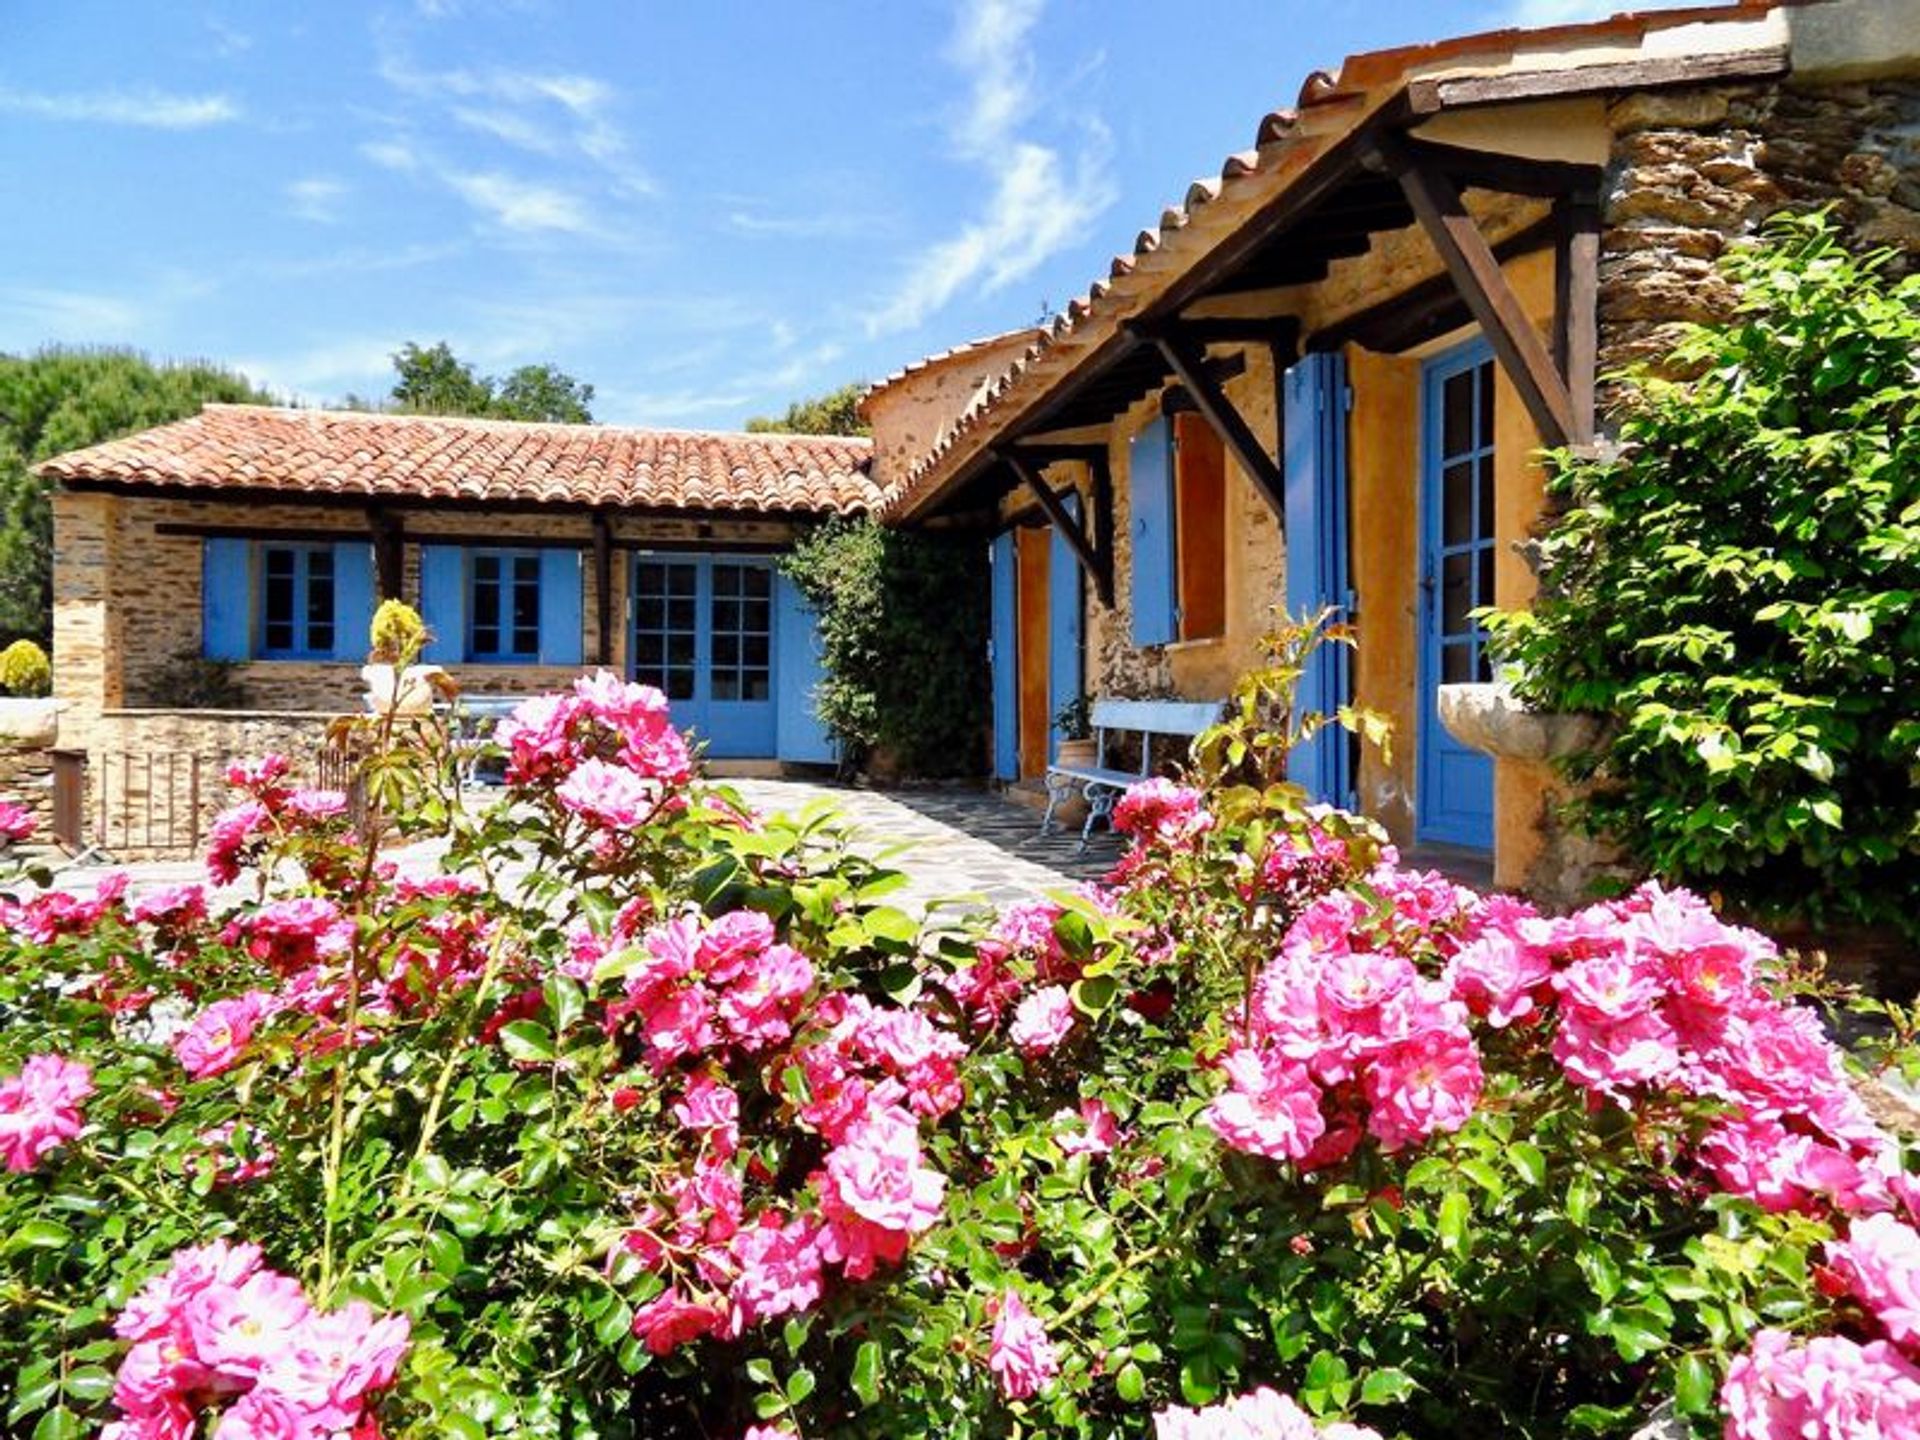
1435 201
1185 354
1095 561
388 562
1576 307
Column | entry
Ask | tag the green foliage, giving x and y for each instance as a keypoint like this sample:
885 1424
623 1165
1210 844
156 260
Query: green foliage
834 413
432 380
24 669
903 619
1738 592
63 399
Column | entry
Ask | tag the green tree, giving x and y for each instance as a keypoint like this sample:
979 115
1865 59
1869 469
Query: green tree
1738 592
63 399
434 381
834 413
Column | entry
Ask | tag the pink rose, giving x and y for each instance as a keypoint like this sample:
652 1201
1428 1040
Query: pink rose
40 1109
217 1037
1021 1356
1880 1259
1042 1020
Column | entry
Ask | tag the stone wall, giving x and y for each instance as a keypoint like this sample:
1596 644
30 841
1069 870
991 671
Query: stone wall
1693 170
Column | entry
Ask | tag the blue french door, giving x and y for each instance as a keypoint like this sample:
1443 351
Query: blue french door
703 632
1315 396
1454 801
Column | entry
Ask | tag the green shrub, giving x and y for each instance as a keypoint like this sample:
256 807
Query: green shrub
903 623
1738 591
24 669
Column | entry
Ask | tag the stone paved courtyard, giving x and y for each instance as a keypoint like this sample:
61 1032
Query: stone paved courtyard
960 844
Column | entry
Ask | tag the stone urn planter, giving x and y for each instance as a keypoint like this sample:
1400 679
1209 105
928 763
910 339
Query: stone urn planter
415 688
1490 718
29 723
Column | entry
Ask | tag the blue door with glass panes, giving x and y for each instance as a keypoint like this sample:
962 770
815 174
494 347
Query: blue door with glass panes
1454 789
703 632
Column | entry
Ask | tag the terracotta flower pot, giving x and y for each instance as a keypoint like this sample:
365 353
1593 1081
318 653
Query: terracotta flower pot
1077 753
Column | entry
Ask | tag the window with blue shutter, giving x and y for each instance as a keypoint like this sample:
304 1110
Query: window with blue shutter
226 599
352 600
561 615
1064 615
503 605
1005 661
443 603
1150 502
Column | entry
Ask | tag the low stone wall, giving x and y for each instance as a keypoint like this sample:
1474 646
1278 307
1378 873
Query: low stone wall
26 779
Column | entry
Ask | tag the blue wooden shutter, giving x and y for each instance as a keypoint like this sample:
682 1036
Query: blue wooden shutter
226 599
1150 501
1064 585
443 602
799 733
352 600
561 622
1006 664
1317 571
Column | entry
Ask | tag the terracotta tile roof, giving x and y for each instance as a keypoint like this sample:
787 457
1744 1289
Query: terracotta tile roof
1330 107
325 452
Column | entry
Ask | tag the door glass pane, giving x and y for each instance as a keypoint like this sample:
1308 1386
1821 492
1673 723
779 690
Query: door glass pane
1456 413
277 620
1456 664
1485 511
742 623
1483 589
1484 375
1456 504
319 601
1456 593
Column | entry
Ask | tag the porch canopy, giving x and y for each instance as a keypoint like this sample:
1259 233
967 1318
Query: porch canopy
1427 140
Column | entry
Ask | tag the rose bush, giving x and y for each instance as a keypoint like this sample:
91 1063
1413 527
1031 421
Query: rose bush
621 1111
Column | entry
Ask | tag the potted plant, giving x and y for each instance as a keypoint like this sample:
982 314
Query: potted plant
1074 722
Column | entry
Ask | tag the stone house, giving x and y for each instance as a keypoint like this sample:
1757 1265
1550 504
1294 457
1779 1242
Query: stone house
1322 379
264 537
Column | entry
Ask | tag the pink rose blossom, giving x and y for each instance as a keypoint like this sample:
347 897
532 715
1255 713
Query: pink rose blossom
40 1109
1163 811
1271 1108
231 837
171 906
1828 1388
1093 1129
16 822
1021 1356
608 795
1042 1020
669 1320
876 1194
1880 1260
1424 1087
777 1271
1262 1415
237 1329
216 1038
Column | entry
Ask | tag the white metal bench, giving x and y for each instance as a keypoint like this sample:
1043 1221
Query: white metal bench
1101 785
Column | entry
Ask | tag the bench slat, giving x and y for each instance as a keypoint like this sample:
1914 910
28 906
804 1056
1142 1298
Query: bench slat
1156 717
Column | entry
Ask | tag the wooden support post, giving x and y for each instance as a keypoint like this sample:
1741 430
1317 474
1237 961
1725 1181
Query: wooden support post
1576 307
1101 474
1188 362
1475 270
388 557
603 587
1101 572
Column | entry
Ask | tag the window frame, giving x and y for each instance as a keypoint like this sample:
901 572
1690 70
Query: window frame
505 651
301 620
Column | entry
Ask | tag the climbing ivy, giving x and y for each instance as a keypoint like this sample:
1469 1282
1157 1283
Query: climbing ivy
903 621
1738 591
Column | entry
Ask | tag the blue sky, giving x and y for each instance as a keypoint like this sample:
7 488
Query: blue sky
706 208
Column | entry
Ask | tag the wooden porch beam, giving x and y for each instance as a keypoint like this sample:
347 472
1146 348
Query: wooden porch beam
1475 270
1097 565
1576 307
1189 362
603 586
1496 170
1229 329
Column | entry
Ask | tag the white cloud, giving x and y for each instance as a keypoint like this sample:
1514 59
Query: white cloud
1040 202
151 109
506 125
525 205
227 41
391 154
316 198
40 315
